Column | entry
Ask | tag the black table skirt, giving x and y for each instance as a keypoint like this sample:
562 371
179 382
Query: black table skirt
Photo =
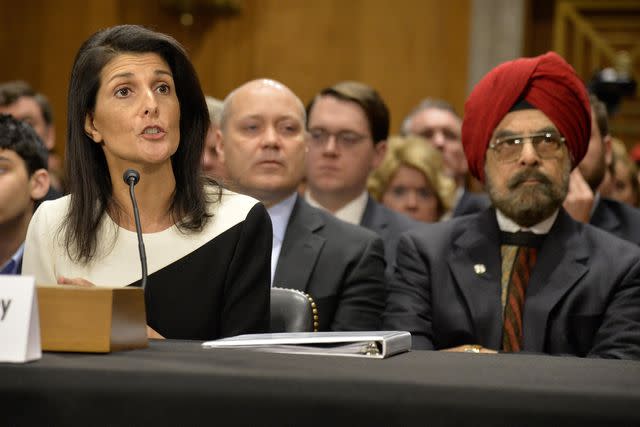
178 383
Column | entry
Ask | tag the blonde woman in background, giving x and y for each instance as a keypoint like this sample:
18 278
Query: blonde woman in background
410 180
624 184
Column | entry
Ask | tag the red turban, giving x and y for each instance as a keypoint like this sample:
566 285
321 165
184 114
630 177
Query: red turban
548 83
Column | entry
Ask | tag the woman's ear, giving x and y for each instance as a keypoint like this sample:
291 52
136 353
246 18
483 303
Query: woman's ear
90 129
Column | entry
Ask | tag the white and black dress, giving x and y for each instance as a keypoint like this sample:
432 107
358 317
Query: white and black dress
204 285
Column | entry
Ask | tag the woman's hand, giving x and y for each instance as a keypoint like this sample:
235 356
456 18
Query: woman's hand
151 334
78 281
75 281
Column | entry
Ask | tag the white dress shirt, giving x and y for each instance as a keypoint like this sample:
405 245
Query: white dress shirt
352 212
508 225
280 214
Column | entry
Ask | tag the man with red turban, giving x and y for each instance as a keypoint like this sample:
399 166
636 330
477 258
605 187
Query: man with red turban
522 275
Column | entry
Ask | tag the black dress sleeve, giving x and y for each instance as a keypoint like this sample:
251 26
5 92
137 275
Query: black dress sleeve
247 283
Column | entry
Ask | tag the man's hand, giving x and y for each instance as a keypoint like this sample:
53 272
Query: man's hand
153 334
580 198
470 348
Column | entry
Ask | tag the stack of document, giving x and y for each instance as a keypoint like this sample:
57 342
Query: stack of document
373 344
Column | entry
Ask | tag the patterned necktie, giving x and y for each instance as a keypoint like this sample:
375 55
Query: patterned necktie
512 327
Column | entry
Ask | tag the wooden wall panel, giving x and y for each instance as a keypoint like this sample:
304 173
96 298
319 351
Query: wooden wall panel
407 49
39 41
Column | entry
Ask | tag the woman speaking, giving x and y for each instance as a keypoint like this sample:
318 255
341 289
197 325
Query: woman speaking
135 102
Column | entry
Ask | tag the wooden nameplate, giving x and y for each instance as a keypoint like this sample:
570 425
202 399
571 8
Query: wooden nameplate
91 320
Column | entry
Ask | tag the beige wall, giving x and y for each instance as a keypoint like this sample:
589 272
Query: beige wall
407 49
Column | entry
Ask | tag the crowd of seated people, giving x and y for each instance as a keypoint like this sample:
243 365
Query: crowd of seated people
411 180
20 100
387 233
625 185
24 181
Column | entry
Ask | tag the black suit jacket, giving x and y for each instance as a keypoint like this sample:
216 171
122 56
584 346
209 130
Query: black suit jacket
471 203
339 264
389 225
618 219
583 297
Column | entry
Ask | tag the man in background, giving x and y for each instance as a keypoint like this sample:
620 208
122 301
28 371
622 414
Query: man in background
437 121
19 99
584 202
263 143
211 164
23 182
348 125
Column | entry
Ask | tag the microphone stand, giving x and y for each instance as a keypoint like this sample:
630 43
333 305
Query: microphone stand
131 178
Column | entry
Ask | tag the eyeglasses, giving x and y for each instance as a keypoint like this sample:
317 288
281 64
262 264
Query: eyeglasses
509 148
344 139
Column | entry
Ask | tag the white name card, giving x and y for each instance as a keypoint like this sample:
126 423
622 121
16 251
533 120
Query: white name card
19 322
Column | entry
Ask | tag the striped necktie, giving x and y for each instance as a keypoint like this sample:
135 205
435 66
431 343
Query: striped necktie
525 259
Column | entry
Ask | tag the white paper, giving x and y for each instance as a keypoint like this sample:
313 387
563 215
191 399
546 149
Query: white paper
19 319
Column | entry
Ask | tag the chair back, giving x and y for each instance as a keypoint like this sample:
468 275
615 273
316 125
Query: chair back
292 311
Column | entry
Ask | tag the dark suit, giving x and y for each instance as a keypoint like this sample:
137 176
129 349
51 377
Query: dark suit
583 297
52 194
389 225
618 219
339 264
471 203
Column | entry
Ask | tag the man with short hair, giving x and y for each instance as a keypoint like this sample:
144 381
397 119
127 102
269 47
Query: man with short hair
211 164
18 99
263 143
524 275
437 121
584 202
23 181
348 125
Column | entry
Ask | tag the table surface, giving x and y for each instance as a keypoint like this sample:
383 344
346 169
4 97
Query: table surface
178 382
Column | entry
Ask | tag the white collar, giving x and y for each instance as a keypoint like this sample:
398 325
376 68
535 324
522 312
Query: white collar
508 225
352 212
280 214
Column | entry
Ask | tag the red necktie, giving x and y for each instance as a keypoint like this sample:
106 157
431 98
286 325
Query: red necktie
512 326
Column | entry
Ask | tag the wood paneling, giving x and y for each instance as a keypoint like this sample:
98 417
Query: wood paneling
407 49
39 41
593 35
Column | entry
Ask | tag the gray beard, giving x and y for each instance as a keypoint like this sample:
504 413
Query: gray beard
529 205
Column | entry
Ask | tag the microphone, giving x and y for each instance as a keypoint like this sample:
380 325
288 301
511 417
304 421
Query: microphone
131 177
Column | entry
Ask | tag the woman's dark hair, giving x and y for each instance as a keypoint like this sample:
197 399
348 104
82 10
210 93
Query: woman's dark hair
87 171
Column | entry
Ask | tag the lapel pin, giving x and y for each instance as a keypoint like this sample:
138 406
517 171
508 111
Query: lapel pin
479 268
